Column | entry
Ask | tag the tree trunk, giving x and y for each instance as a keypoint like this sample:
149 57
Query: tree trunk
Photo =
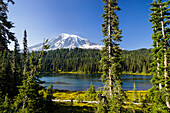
158 74
109 39
24 104
24 70
165 58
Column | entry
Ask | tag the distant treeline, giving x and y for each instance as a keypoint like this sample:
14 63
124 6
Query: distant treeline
87 61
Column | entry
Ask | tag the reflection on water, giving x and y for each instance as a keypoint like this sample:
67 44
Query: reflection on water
80 82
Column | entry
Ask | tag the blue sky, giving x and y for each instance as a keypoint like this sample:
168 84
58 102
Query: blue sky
49 18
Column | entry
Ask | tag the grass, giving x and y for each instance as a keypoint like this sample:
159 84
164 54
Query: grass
68 95
78 107
77 95
129 94
68 107
74 95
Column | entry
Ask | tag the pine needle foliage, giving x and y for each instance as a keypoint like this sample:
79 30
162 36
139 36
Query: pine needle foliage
16 68
135 95
6 74
111 57
25 54
160 19
30 98
5 34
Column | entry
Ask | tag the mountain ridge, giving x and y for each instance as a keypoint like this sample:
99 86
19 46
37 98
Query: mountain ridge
70 41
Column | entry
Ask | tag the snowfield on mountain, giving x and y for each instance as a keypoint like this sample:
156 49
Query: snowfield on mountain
68 41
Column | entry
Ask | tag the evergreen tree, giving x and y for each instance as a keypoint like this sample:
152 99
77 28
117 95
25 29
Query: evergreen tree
155 19
6 76
25 54
30 99
111 57
5 25
140 97
160 20
92 88
16 69
135 95
49 105
87 60
6 107
91 93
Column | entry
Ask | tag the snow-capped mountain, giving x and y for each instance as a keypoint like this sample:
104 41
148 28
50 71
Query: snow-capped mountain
67 41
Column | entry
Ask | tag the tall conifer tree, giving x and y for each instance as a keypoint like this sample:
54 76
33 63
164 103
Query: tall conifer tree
155 18
30 99
111 56
6 76
25 54
5 34
16 68
160 19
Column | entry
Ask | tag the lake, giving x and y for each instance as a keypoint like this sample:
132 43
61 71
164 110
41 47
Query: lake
80 82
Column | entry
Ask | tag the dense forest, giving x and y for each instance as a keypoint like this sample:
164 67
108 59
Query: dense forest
21 90
87 61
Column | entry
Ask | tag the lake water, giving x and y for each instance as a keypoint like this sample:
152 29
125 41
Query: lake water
80 82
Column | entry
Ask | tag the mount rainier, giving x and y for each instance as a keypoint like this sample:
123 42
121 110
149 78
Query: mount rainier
67 41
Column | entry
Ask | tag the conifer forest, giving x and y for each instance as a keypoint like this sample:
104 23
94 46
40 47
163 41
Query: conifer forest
87 61
22 91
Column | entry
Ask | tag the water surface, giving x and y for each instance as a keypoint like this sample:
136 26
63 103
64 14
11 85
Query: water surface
80 82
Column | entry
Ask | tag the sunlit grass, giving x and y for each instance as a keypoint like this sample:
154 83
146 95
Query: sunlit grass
129 94
80 107
75 107
68 95
75 95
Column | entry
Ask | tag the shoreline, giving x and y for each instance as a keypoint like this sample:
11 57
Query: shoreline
130 91
128 73
123 73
